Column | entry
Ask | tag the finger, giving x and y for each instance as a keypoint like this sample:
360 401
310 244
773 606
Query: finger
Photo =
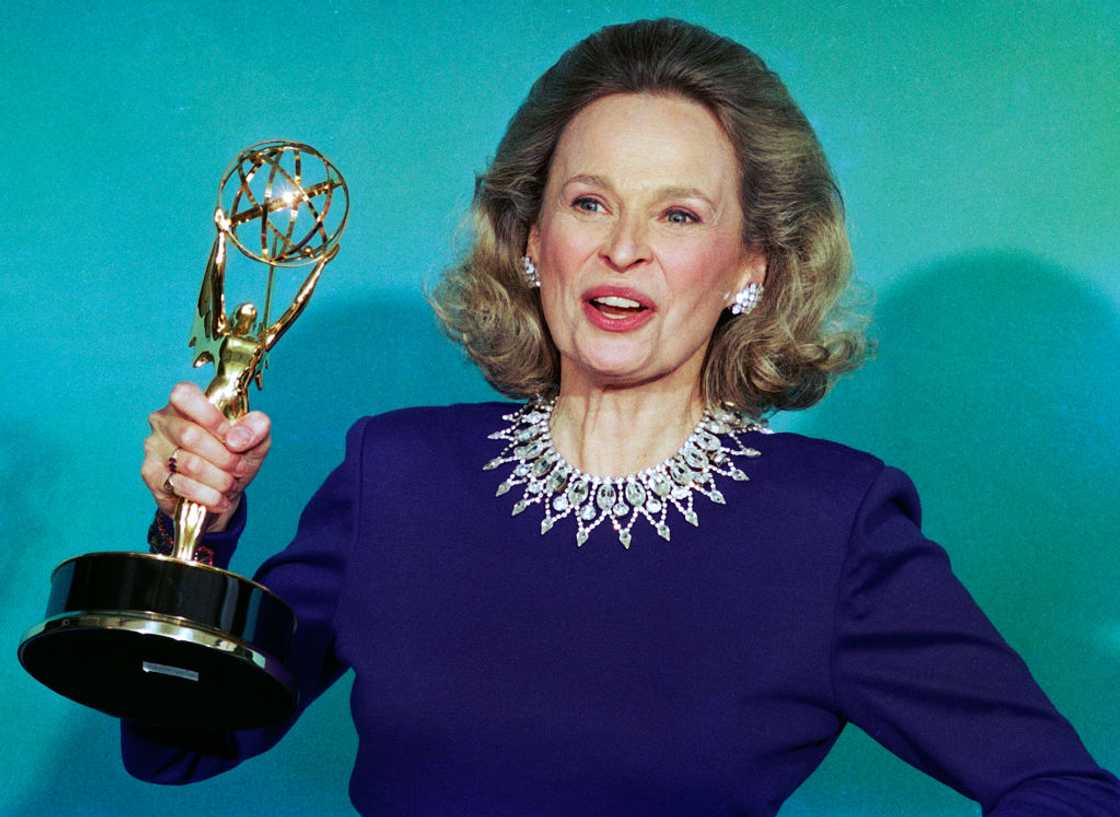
248 432
251 435
206 473
194 491
154 473
194 439
191 403
251 461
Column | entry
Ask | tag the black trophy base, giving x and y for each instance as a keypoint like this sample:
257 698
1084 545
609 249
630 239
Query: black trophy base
164 641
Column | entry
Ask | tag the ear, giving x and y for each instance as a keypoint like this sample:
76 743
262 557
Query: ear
533 245
753 268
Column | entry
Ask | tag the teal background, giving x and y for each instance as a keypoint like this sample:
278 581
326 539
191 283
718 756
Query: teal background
978 150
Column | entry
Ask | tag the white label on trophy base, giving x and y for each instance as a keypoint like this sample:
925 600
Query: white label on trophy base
163 669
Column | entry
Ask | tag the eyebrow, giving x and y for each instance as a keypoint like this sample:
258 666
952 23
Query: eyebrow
672 192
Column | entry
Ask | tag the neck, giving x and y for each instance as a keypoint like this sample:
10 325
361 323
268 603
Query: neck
618 431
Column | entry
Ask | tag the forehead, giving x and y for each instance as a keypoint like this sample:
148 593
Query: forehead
648 141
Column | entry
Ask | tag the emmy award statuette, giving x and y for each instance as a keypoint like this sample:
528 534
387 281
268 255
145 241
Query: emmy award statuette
168 638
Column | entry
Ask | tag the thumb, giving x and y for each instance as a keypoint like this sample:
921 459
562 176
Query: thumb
247 432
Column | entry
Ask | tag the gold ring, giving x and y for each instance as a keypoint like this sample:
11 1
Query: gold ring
172 463
168 488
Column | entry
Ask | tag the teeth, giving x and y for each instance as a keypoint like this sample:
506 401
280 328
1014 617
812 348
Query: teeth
614 300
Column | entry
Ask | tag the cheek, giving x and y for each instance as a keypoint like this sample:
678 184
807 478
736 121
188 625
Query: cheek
701 273
566 245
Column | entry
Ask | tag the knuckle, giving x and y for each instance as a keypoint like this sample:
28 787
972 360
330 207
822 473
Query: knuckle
213 498
190 436
186 463
228 461
240 469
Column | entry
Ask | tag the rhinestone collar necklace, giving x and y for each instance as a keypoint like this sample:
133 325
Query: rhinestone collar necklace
564 490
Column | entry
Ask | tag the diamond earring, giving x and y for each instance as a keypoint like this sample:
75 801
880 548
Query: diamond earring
529 272
747 299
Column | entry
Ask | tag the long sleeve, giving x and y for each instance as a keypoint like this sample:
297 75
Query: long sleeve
919 667
308 575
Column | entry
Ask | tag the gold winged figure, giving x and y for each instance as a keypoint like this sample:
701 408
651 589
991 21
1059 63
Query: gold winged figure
229 341
237 351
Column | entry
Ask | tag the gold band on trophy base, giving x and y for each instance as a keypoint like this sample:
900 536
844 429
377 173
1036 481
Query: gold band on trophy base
166 639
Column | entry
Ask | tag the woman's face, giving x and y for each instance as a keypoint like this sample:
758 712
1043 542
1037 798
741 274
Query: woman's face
639 241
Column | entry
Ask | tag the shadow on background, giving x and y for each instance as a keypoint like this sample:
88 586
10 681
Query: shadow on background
996 389
334 365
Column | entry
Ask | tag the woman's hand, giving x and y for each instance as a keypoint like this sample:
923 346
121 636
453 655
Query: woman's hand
214 459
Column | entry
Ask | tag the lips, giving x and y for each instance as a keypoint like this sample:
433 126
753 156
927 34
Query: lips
617 309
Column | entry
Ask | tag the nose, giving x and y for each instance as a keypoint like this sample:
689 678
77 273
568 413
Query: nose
627 245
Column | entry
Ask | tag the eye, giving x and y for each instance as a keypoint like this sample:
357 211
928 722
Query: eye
678 216
588 204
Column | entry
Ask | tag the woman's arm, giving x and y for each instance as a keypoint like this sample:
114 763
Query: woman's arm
308 575
919 667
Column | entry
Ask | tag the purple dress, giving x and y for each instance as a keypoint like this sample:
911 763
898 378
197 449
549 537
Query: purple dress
501 672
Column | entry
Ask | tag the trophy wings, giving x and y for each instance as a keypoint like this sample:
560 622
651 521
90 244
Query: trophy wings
210 324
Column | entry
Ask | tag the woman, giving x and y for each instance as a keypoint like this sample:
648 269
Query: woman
659 248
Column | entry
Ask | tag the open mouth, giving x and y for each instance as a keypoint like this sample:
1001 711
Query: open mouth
616 307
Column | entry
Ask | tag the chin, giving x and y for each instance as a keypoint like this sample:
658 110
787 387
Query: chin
616 360
615 371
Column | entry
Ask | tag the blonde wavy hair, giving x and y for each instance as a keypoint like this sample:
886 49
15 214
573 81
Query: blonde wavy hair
788 351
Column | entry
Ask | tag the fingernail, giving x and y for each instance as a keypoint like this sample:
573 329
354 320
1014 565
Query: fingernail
239 436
